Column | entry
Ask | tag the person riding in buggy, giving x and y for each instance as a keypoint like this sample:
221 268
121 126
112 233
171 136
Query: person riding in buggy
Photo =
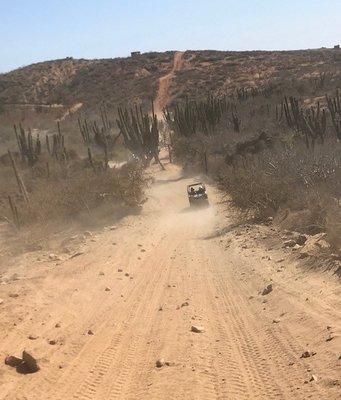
197 195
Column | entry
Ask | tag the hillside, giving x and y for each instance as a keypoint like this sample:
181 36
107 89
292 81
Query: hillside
135 79
70 81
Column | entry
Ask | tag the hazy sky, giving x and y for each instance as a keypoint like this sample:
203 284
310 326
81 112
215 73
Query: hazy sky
38 30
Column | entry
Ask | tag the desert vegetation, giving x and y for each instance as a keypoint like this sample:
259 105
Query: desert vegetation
270 148
43 181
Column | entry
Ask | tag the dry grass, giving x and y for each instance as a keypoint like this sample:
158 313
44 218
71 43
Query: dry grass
72 188
286 178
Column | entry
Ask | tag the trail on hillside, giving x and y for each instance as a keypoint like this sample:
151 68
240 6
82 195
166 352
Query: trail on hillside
71 110
163 96
102 318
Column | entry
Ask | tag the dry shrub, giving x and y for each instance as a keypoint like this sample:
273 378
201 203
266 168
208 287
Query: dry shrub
294 178
75 189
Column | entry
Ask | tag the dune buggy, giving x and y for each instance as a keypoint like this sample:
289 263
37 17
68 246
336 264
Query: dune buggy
197 195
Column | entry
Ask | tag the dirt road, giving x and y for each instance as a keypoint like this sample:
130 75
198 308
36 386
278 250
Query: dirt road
163 95
99 330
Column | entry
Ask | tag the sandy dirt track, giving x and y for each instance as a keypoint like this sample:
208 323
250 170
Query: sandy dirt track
163 95
251 346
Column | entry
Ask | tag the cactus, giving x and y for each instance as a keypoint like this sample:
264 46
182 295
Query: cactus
140 133
29 147
98 132
14 211
236 121
334 107
19 179
311 123
58 150
320 80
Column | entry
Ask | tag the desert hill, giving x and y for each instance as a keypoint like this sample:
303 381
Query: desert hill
135 79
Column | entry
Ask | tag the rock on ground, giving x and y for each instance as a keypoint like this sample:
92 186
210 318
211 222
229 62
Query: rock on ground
197 329
268 289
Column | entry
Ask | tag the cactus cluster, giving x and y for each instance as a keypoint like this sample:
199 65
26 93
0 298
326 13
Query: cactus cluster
244 93
98 132
140 132
311 123
29 146
57 148
194 117
320 80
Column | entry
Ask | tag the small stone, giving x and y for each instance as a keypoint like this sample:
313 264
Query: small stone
107 289
101 273
329 338
160 363
185 304
276 321
13 361
313 378
268 289
307 354
120 270
52 342
197 329
160 308
30 364
57 325
87 234
13 295
1 301
90 332
33 337
126 274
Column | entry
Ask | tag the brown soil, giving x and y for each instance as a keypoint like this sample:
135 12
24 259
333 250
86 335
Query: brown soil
110 328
